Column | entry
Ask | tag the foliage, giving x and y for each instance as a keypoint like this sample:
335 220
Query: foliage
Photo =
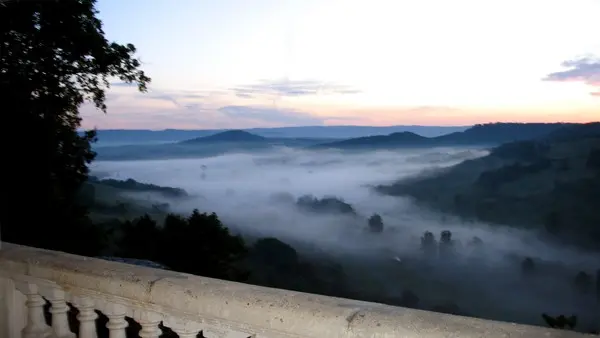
446 246
53 58
409 299
527 266
133 185
583 282
199 244
277 264
375 223
550 184
593 160
275 253
140 239
327 204
429 244
524 150
560 322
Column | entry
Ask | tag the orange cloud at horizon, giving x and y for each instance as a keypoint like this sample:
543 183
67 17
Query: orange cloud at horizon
426 116
440 116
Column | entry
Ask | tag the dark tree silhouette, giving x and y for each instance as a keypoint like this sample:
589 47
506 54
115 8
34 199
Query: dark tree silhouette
140 239
199 244
446 244
583 282
409 299
446 237
375 223
202 245
428 244
561 322
53 58
527 266
552 223
593 160
327 204
275 253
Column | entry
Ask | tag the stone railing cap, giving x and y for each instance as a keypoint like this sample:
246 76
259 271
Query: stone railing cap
257 309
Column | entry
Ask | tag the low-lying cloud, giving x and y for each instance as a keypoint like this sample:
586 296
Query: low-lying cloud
271 115
286 87
255 193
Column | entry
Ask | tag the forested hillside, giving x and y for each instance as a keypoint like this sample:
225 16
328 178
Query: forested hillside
551 183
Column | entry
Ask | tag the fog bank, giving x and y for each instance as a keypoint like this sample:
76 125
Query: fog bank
255 194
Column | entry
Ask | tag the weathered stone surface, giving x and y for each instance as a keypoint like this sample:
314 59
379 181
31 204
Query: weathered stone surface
235 307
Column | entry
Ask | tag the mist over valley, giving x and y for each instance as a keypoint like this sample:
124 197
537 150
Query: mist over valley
235 153
334 209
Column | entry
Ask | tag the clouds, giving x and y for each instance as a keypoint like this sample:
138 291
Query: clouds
286 87
211 108
586 70
160 109
188 99
197 117
271 115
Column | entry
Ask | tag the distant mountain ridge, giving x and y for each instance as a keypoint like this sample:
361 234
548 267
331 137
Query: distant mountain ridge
481 134
143 136
227 136
231 141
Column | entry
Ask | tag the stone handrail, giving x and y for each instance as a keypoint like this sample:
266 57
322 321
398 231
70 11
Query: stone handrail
189 304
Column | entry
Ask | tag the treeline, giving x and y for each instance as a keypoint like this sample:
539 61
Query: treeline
133 185
550 185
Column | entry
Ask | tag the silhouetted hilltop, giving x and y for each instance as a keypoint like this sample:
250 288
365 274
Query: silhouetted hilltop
482 134
113 137
574 131
228 136
135 186
381 141
551 183
498 133
327 204
213 145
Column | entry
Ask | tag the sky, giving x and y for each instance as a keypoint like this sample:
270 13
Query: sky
270 63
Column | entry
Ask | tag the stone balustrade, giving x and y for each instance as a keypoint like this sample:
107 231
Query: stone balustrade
191 306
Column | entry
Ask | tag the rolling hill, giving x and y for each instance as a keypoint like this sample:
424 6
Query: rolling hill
551 183
479 135
228 136
394 140
230 141
212 145
116 137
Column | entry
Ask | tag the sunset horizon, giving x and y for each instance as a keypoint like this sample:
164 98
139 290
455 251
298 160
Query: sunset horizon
229 65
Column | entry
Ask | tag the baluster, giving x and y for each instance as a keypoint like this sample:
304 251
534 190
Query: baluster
13 313
87 317
36 323
116 320
183 328
149 322
59 310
